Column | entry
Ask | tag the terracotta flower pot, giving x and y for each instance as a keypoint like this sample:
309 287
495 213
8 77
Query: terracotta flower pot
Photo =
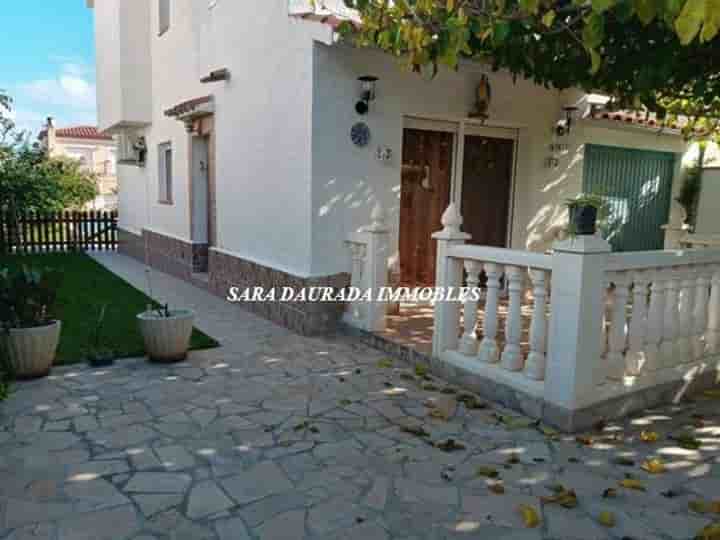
167 339
31 351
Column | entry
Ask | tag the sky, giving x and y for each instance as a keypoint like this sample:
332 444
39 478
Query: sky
47 61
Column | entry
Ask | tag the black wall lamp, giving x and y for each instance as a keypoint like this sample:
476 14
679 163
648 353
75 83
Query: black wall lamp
367 93
564 127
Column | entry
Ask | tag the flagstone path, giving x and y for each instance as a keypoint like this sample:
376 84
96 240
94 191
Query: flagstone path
276 436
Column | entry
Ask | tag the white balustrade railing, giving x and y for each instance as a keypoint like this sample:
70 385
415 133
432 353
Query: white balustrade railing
599 324
369 252
671 317
491 272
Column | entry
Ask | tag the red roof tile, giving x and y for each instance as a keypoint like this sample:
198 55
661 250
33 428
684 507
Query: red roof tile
332 21
82 132
632 117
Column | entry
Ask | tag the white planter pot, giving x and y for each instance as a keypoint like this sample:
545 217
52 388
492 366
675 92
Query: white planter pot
31 351
167 339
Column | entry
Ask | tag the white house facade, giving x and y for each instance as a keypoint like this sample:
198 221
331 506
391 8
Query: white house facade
243 160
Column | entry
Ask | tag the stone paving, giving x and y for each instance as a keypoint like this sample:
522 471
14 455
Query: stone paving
276 436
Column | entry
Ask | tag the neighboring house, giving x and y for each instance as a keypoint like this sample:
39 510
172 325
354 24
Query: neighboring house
97 152
243 155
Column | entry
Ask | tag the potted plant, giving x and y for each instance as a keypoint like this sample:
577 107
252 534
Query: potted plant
166 333
30 329
96 354
585 210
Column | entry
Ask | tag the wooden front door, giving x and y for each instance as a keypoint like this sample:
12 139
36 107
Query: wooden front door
486 189
425 194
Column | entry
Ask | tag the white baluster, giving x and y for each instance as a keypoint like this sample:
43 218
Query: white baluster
687 294
489 351
618 340
358 253
656 313
512 359
468 343
536 360
700 318
670 320
635 358
713 331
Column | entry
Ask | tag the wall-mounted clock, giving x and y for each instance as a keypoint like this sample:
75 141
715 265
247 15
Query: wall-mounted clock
360 134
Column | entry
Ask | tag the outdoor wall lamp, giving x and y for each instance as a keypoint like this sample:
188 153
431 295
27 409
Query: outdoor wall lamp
367 93
564 126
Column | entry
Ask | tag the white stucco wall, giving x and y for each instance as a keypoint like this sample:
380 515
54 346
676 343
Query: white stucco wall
262 127
132 198
122 39
347 181
708 218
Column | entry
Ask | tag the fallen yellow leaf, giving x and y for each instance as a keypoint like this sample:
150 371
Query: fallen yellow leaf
713 393
653 466
631 483
529 516
711 532
564 497
438 414
699 506
648 436
488 472
715 507
497 488
583 439
607 519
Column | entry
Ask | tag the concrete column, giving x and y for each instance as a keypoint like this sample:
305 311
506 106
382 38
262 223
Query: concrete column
574 367
448 273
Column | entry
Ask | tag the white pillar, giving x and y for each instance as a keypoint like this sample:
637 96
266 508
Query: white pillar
687 297
635 358
489 351
656 313
376 268
356 312
700 314
512 358
469 343
713 330
573 361
670 321
448 273
536 360
617 339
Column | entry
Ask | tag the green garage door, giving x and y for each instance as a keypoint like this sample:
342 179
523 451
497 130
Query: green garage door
637 185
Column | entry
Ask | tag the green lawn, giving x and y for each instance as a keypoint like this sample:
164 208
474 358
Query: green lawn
87 286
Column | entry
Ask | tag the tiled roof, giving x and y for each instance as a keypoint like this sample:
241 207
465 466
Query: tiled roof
187 106
79 132
641 119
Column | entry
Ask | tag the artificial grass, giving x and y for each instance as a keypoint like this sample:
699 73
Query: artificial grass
86 287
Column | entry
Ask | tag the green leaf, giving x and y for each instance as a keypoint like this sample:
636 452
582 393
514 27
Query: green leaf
501 30
691 18
529 6
549 18
646 10
594 31
596 61
712 20
599 6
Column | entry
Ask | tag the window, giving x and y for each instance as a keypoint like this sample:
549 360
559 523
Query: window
165 173
163 16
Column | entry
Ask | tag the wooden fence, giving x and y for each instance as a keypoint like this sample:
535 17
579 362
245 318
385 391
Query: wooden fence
56 232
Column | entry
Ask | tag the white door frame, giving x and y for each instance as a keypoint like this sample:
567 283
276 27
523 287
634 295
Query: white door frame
460 127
